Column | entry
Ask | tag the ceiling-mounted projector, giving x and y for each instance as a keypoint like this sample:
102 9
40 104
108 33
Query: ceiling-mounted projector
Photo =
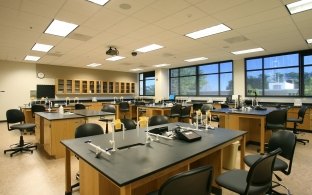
112 51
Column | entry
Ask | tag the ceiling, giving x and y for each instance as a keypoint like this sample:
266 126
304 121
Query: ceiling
132 24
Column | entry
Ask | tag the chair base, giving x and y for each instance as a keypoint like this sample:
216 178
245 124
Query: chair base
277 184
21 147
303 141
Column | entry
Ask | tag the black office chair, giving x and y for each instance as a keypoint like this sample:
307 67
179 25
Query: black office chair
37 108
158 120
107 108
275 120
196 181
85 130
175 111
185 113
203 109
224 106
299 120
124 107
141 107
286 141
197 106
128 123
16 121
80 107
257 180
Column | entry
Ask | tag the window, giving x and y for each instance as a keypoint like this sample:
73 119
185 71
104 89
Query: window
307 76
286 74
203 80
147 84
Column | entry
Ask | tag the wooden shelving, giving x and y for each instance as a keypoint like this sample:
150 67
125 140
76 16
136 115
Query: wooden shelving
69 86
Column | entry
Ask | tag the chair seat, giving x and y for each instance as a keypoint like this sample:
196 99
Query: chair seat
279 164
26 126
173 115
295 120
235 180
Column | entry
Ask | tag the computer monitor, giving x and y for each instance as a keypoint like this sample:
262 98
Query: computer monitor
172 97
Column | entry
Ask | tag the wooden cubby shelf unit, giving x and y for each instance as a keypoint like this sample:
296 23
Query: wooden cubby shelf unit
75 86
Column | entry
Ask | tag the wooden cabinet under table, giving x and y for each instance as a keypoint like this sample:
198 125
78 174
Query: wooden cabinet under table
54 127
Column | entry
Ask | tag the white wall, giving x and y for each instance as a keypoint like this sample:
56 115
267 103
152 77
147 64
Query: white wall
161 84
16 79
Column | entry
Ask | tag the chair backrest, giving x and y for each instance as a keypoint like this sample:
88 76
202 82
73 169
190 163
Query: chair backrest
195 181
124 106
37 108
139 103
109 108
129 123
197 106
302 112
79 107
260 173
224 106
14 116
176 109
186 111
158 120
206 107
276 119
286 140
88 129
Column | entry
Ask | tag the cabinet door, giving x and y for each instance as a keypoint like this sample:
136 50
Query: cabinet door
98 87
104 87
117 87
127 87
69 86
132 87
92 86
111 87
60 86
77 86
122 87
85 87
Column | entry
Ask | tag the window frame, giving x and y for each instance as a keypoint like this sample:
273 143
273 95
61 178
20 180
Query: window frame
197 78
300 66
146 75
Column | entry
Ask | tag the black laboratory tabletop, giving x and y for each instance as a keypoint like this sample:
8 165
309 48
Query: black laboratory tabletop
130 164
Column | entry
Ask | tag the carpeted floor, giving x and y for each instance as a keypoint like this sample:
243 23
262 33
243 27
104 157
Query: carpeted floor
36 174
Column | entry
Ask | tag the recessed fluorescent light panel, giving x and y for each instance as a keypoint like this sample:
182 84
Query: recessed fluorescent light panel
247 51
161 65
60 28
196 59
32 58
99 2
136 69
299 6
208 31
149 48
309 41
94 65
42 47
115 58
